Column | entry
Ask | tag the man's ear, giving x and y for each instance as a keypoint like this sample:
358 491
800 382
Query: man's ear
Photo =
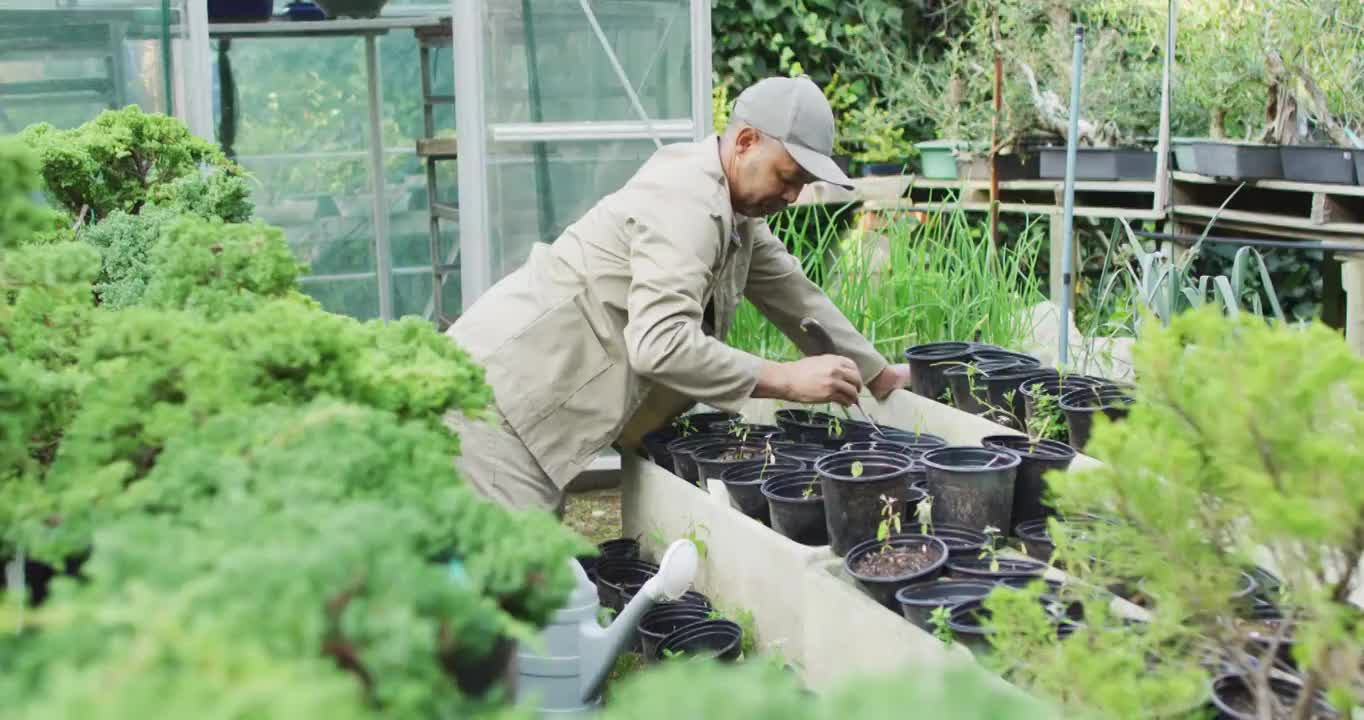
747 140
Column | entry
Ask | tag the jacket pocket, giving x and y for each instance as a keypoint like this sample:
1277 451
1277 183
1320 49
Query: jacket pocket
549 361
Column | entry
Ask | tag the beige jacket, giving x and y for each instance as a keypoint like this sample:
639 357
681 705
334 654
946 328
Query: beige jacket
577 339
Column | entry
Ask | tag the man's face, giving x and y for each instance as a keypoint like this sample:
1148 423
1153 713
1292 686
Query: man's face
765 178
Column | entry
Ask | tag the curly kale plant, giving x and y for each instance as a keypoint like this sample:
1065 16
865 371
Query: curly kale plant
123 158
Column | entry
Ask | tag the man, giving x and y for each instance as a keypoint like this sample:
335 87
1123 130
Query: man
617 326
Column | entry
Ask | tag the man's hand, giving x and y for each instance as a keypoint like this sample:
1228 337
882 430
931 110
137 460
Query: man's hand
815 379
889 380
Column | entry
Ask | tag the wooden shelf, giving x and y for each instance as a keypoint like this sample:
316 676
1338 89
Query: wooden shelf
282 27
1098 212
1258 222
1048 184
445 212
1289 185
446 148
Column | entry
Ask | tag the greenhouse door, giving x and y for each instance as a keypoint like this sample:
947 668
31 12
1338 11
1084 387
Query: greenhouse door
559 102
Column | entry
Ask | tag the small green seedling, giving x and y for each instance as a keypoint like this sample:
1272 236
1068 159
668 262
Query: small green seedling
890 517
941 630
924 514
856 469
990 551
684 426
835 427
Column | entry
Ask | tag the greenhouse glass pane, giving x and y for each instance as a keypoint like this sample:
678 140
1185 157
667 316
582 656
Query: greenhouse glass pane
528 206
358 297
545 63
64 65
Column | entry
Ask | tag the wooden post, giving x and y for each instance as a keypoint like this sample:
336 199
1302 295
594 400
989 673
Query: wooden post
1162 179
1352 279
994 133
1056 244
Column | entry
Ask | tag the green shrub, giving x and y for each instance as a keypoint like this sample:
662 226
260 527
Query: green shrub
123 158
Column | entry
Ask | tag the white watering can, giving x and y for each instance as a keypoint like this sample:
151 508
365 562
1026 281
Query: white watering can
578 653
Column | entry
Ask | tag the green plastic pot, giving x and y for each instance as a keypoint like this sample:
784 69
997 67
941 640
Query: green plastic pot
938 159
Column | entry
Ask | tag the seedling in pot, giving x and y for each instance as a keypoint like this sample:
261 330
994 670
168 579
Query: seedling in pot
835 428
941 630
889 517
990 551
924 514
684 426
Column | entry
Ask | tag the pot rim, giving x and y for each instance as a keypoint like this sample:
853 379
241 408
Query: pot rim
903 595
891 460
1012 459
792 479
743 467
868 546
1105 398
969 566
1045 449
937 350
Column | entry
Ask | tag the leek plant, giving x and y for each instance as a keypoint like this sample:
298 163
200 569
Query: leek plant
909 282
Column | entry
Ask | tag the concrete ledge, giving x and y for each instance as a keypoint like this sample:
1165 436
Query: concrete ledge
803 603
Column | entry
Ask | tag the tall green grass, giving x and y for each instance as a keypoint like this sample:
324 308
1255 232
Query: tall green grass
941 279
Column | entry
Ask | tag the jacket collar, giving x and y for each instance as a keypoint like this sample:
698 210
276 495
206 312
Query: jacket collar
710 164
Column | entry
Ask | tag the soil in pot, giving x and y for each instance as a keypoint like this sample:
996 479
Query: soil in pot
919 600
795 502
1036 458
712 460
860 490
744 481
683 449
804 454
663 620
613 575
928 362
972 486
719 639
882 567
1080 406
982 569
1235 698
918 443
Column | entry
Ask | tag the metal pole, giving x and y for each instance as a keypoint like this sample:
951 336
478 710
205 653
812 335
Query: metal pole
475 241
1068 216
383 260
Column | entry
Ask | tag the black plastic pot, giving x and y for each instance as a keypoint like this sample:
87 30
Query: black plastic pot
927 363
1004 390
1053 387
883 589
691 597
792 512
873 169
663 620
476 676
853 431
225 11
918 443
1359 166
702 422
656 446
972 486
1238 161
918 601
1230 694
720 639
1330 165
1036 459
969 622
809 427
881 446
38 575
1260 641
744 481
748 432
997 354
1036 540
970 391
711 461
802 453
852 505
1081 404
627 548
962 542
1100 163
613 575
683 449
976 568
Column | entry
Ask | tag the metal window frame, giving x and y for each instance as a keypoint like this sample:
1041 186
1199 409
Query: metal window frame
475 132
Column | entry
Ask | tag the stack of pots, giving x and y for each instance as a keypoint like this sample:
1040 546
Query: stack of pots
1082 404
968 379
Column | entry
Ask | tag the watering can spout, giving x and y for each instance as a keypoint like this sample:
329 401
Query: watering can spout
602 645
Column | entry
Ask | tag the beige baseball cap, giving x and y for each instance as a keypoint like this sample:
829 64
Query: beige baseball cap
794 111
